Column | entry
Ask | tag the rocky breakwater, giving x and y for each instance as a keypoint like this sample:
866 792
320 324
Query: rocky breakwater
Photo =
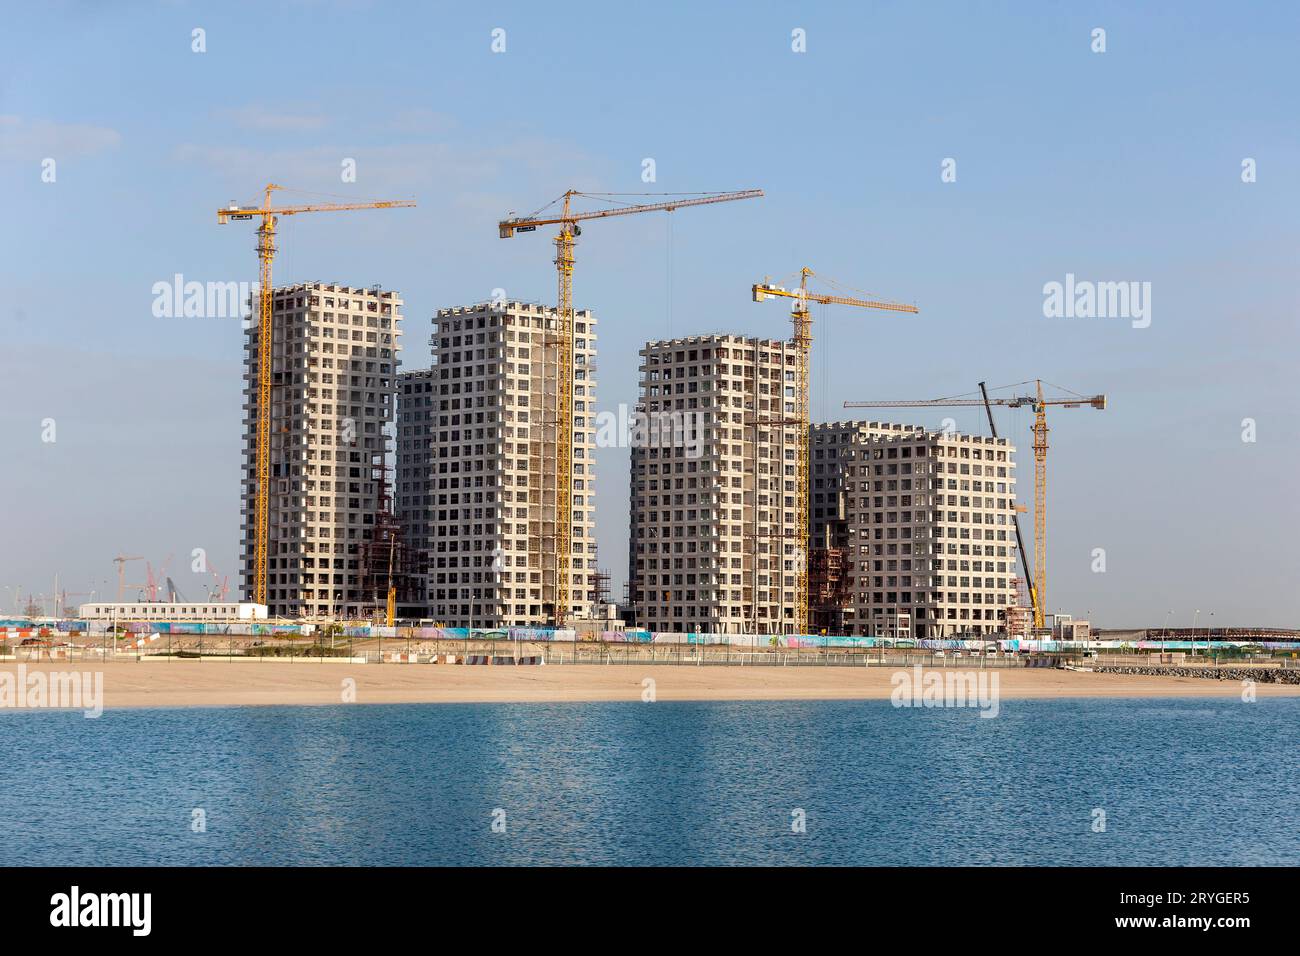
1261 675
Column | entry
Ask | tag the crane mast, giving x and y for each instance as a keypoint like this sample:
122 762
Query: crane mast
801 317
565 240
1040 503
1015 515
1036 401
266 254
563 523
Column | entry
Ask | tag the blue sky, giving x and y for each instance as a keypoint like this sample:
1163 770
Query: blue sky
1122 165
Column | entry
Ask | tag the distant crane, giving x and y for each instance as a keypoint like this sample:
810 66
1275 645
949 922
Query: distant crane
33 608
121 561
567 219
266 253
155 579
802 318
220 585
61 609
1038 585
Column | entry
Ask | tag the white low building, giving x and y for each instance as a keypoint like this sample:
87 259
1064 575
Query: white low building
175 611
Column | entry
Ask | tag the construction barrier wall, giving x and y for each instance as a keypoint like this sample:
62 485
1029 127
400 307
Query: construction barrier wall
14 632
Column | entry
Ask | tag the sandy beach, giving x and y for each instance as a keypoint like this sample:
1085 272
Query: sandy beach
264 683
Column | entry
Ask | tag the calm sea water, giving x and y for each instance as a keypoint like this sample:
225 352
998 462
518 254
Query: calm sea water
1181 782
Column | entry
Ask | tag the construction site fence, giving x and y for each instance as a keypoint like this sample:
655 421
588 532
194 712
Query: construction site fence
724 655
473 650
461 652
135 631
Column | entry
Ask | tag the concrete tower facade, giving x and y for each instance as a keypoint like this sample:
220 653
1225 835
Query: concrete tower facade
334 372
714 543
925 523
479 492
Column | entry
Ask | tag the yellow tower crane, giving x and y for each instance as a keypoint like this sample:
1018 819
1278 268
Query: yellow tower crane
1037 585
802 319
567 218
266 252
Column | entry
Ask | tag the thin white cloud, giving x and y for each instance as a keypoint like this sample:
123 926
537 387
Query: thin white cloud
421 121
264 120
23 139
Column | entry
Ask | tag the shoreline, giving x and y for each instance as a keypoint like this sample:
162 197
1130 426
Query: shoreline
184 684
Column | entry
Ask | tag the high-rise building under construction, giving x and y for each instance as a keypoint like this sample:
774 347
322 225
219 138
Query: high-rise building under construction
334 360
476 481
714 539
912 531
